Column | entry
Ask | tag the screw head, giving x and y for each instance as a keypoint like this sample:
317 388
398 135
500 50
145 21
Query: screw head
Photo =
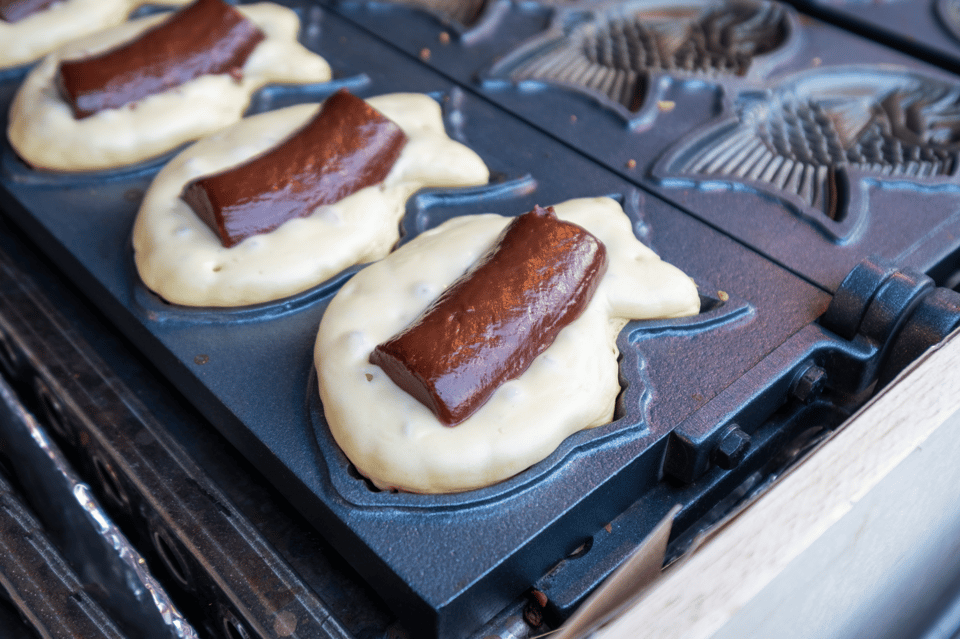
731 448
810 384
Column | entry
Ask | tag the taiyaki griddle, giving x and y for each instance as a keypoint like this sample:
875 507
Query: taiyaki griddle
803 299
739 112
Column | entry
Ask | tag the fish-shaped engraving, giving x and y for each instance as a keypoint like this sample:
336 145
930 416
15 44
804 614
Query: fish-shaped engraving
802 139
613 51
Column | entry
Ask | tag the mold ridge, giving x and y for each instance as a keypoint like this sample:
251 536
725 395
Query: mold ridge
615 52
807 141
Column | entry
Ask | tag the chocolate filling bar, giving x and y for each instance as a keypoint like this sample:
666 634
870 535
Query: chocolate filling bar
16 10
348 146
207 37
489 325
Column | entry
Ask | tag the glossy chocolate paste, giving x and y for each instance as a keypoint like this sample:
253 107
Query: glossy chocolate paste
16 10
348 146
207 37
489 325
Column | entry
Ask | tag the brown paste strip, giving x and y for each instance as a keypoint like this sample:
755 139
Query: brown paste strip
348 146
207 37
489 325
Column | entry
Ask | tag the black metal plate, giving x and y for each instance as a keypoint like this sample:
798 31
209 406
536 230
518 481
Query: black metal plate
450 563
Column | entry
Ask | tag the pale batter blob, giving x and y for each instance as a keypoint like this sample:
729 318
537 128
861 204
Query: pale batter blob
45 134
181 259
397 442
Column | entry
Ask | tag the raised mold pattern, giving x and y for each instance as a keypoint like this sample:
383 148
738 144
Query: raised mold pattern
803 139
614 51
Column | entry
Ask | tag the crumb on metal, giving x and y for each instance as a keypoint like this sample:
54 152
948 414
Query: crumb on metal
444 37
666 105
573 119
723 296
608 528
631 164
533 616
425 54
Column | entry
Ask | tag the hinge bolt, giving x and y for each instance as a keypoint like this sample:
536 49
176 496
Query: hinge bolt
809 385
731 448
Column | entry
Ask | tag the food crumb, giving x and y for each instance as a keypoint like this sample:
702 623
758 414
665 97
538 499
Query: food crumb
533 616
608 528
573 119
201 359
723 296
666 105
424 54
444 37
631 164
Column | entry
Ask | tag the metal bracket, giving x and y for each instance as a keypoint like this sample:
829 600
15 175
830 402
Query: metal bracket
897 312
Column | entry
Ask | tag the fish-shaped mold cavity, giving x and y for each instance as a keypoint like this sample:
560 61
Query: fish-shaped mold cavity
801 139
613 51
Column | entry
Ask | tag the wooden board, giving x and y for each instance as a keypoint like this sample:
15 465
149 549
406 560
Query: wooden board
695 597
